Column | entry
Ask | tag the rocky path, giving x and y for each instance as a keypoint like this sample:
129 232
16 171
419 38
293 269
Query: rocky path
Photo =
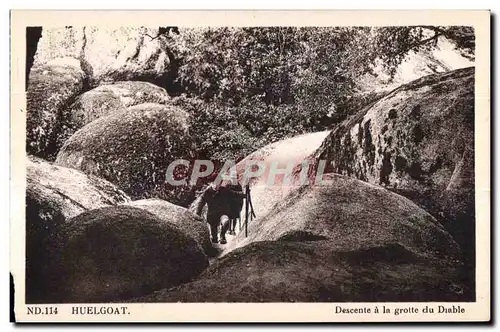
219 248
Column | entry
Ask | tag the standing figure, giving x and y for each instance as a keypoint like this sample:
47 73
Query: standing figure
224 203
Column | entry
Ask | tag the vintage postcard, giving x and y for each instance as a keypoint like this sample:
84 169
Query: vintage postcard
250 166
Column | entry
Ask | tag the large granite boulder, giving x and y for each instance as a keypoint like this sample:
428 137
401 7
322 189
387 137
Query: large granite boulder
115 253
320 271
52 88
55 194
133 149
417 141
110 53
350 213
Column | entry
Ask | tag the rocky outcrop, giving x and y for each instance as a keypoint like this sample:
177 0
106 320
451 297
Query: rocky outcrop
52 88
33 35
441 58
187 222
320 271
133 149
55 194
417 141
111 54
106 99
115 253
267 190
351 213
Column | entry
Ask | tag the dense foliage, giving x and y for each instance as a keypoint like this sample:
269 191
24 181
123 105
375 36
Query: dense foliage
247 87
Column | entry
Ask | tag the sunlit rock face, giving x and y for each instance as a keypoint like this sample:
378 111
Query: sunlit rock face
443 58
271 187
109 54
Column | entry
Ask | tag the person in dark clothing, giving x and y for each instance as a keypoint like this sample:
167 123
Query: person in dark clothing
224 203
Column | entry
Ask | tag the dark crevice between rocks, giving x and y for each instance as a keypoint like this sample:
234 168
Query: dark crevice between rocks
438 164
386 169
360 135
171 82
33 35
86 67
362 177
415 171
369 148
347 152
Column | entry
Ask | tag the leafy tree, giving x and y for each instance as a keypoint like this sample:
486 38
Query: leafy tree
247 87
394 43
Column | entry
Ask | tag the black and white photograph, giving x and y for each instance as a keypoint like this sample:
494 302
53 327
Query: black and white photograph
170 163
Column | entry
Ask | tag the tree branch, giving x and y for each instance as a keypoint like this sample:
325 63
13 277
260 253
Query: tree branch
425 41
434 28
